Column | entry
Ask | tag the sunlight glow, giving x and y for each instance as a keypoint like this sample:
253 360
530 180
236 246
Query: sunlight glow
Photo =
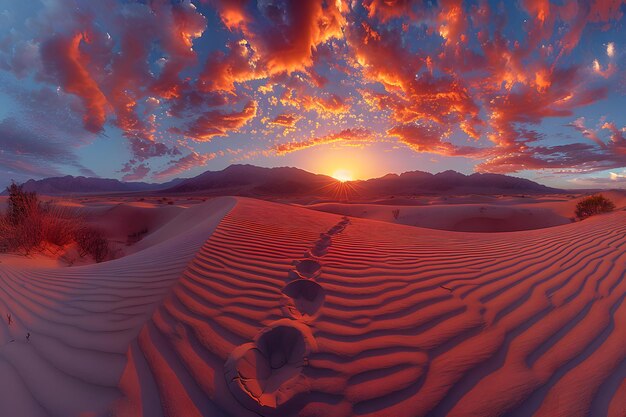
342 175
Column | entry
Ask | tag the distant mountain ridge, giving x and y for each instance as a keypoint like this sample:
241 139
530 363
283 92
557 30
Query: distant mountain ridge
419 182
85 185
254 181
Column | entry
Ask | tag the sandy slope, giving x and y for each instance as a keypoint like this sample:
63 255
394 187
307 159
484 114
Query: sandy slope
374 319
286 311
457 217
82 319
471 213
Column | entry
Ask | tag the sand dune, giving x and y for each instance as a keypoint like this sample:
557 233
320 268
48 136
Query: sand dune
81 321
286 311
392 321
471 213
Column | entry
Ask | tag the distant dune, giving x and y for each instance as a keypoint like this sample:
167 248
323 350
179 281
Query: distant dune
457 217
240 307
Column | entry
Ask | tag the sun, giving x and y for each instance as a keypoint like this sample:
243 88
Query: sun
342 175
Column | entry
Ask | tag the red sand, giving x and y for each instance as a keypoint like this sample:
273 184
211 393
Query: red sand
286 311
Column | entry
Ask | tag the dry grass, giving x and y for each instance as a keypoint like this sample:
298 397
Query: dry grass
28 225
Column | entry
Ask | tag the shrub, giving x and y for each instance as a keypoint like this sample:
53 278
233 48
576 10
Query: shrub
21 204
92 242
395 213
28 224
21 228
136 237
23 237
59 224
592 205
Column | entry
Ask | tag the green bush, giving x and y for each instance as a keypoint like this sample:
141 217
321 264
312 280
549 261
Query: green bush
592 205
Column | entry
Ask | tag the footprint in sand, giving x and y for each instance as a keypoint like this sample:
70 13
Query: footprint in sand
308 268
319 250
306 298
336 229
265 374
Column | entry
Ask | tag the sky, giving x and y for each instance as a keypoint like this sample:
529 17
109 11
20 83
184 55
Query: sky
153 90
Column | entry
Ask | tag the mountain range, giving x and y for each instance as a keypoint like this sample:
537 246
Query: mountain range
250 180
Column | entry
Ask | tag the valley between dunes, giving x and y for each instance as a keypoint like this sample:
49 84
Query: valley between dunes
241 307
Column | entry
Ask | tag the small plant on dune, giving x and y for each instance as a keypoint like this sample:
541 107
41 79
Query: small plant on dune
29 224
21 204
59 224
92 242
21 228
395 213
136 237
592 205
23 237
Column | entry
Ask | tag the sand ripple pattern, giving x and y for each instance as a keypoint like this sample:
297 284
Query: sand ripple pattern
388 320
80 322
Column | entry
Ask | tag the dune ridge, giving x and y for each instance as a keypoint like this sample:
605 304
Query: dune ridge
414 322
81 320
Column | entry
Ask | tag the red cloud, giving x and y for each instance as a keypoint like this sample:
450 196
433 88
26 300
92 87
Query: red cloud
62 58
282 40
429 139
618 140
390 9
232 12
181 25
137 65
358 135
332 103
411 93
287 120
136 173
578 157
223 71
183 164
217 123
527 105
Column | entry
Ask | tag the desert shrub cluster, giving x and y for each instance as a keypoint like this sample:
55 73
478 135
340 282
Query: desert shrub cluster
592 205
28 225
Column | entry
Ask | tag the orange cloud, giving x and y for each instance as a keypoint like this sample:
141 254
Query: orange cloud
287 120
222 71
284 41
357 135
217 123
184 25
63 58
183 164
423 138
390 9
232 12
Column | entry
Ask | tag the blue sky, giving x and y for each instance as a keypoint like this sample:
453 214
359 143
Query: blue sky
155 90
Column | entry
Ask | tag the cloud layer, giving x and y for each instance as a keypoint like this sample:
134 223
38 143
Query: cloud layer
476 80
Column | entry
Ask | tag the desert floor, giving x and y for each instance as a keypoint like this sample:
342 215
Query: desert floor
241 307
